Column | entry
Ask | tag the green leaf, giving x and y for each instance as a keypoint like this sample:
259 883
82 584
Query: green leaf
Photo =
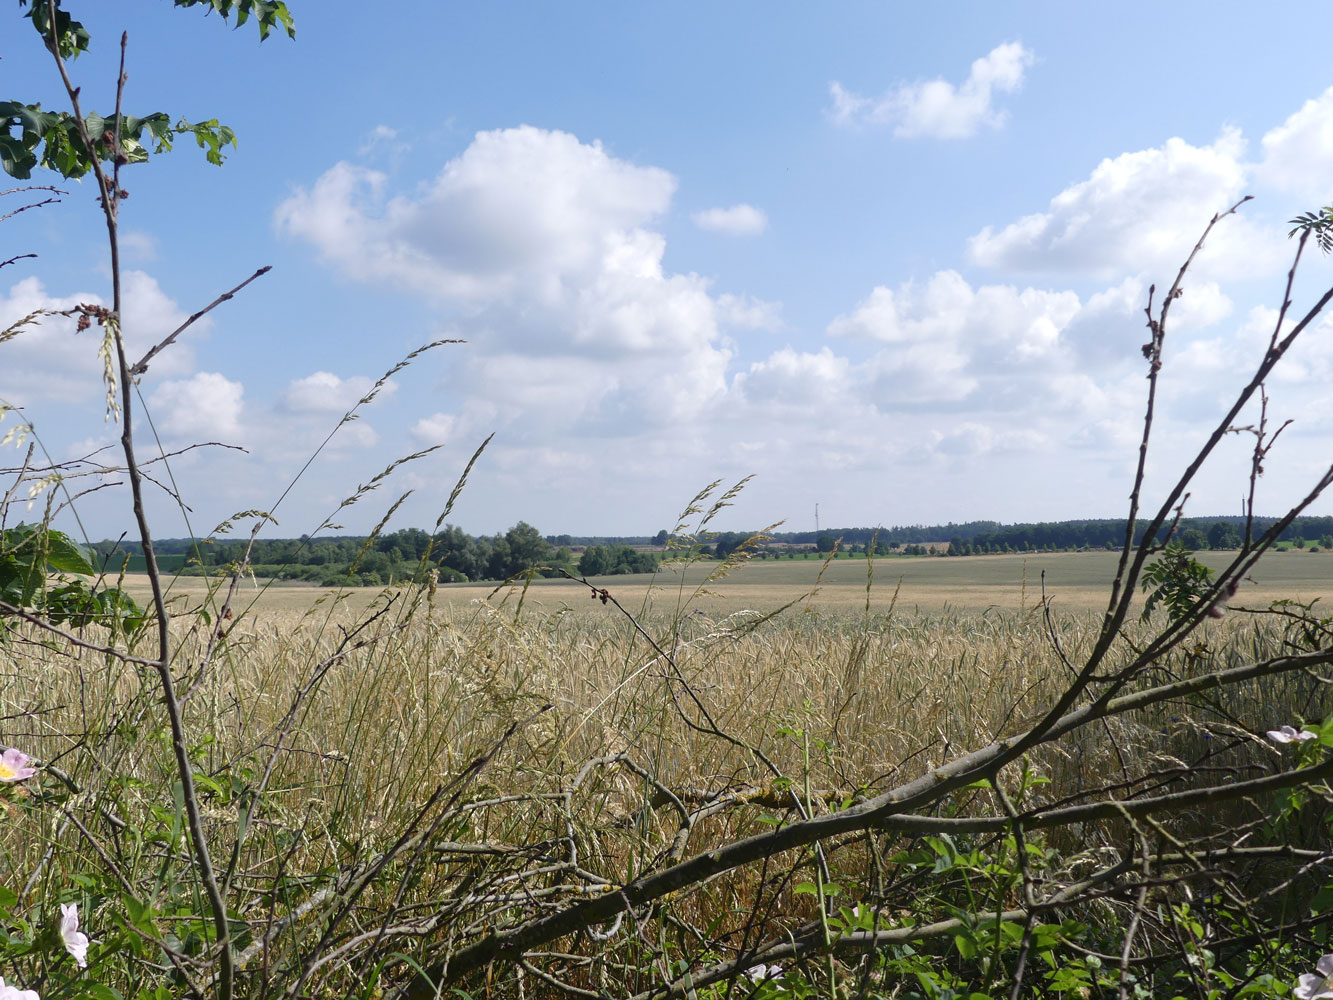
268 13
71 35
63 556
15 158
63 149
966 946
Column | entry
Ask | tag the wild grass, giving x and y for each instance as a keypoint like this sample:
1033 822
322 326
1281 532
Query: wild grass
578 724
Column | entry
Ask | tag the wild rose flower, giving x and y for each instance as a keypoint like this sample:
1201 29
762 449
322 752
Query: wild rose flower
14 993
14 767
1316 986
756 973
75 943
1289 734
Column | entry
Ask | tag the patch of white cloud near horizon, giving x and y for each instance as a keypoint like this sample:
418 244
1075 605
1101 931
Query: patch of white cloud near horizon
936 108
324 392
1041 369
48 360
1309 361
945 357
970 438
206 406
469 427
1141 212
998 324
738 220
795 379
1228 358
1298 154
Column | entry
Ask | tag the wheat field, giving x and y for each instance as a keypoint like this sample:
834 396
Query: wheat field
1075 582
552 718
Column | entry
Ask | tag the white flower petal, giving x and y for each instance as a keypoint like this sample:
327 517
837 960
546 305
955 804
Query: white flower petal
14 993
75 943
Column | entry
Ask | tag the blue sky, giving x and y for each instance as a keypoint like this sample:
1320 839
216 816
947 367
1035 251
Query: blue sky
890 259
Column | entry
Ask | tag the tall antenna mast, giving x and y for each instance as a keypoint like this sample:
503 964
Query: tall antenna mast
816 519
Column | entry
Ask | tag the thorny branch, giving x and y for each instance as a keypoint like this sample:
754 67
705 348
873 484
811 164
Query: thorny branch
910 808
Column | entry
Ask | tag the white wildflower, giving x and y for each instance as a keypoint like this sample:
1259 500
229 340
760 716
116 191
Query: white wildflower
1289 734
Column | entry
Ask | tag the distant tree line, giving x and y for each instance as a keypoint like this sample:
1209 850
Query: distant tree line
1194 533
457 556
406 555
1222 532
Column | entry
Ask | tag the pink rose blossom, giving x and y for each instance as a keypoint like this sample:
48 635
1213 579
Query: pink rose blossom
14 767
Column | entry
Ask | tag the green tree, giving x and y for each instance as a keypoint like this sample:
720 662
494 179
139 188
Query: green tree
593 562
376 562
527 546
1194 539
1224 535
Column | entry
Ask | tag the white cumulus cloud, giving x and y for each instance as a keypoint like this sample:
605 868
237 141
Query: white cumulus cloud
738 220
790 378
204 407
520 209
547 245
1298 154
999 323
937 108
1136 212
49 360
324 392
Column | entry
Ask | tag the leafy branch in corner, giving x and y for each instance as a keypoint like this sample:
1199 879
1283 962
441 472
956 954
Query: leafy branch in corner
1317 224
70 144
